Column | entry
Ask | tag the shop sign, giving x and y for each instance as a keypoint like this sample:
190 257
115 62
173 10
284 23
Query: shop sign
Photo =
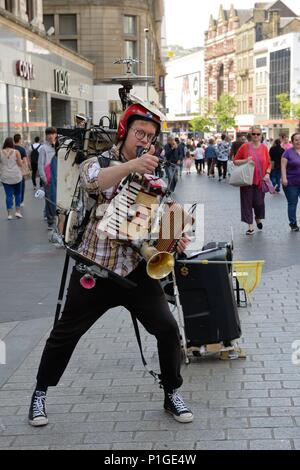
61 81
24 70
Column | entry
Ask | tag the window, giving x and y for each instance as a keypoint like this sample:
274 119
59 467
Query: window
130 49
8 5
130 25
70 44
261 62
48 21
131 52
279 79
29 9
67 25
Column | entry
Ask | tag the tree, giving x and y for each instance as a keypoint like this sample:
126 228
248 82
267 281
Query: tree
285 105
288 109
225 111
201 124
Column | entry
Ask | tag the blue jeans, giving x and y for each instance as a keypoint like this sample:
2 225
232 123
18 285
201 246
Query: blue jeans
275 178
11 191
292 194
172 175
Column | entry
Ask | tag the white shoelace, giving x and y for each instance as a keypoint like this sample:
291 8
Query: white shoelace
39 405
178 402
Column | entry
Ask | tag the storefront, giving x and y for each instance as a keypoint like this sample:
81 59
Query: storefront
41 83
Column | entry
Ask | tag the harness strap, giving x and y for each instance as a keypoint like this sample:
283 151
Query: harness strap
62 288
138 337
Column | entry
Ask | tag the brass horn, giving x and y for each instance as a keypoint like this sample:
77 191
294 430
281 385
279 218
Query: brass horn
159 263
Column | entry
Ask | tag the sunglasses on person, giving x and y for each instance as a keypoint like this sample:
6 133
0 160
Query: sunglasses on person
256 134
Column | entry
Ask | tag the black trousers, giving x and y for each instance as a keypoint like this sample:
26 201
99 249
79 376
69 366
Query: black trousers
83 307
222 166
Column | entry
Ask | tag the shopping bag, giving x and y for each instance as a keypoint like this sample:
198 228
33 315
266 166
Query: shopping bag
242 175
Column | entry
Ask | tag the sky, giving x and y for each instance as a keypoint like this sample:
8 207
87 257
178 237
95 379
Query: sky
186 20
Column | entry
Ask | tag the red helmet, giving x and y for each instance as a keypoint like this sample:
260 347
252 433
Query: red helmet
136 111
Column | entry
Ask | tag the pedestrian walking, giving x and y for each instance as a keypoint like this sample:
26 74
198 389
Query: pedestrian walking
171 156
25 164
147 302
290 169
46 153
11 177
211 157
199 158
188 162
34 159
223 151
253 197
181 148
276 152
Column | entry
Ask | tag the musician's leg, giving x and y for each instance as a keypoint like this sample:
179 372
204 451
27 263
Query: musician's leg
82 308
151 308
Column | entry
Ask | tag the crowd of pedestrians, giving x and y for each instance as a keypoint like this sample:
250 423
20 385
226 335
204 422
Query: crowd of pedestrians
276 165
276 161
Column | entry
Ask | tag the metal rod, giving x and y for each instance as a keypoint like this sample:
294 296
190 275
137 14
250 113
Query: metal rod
206 262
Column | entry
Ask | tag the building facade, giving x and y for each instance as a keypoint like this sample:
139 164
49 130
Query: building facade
267 20
107 30
220 53
229 58
41 83
184 90
280 57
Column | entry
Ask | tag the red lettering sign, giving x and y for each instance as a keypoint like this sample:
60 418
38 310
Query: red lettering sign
25 70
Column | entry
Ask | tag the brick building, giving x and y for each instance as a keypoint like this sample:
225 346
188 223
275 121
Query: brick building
220 50
229 57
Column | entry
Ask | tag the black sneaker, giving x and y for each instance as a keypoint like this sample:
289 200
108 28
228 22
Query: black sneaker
175 405
294 228
37 411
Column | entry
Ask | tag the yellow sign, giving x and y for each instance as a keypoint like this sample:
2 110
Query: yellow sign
165 126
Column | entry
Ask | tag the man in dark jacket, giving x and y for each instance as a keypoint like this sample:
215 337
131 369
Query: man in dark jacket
171 155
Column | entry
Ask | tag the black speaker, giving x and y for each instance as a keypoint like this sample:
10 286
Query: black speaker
207 297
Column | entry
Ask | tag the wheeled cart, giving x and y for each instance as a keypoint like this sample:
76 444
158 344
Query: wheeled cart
204 298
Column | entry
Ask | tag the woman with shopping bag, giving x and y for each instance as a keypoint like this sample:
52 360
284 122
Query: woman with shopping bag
253 195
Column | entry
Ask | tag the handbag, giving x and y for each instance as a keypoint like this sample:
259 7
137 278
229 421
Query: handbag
266 185
25 169
242 175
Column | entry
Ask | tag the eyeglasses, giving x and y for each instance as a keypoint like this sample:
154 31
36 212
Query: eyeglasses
140 134
254 133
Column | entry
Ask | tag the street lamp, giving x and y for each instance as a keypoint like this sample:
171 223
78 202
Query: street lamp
146 31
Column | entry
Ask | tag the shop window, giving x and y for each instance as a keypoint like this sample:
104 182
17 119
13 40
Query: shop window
3 113
130 25
67 25
27 112
70 44
48 21
8 5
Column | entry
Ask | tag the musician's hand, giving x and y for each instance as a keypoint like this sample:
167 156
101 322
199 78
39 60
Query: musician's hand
183 244
145 164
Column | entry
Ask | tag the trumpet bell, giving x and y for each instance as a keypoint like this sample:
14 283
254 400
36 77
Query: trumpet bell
160 265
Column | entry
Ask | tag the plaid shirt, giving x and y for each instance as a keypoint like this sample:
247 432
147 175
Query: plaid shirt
118 257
